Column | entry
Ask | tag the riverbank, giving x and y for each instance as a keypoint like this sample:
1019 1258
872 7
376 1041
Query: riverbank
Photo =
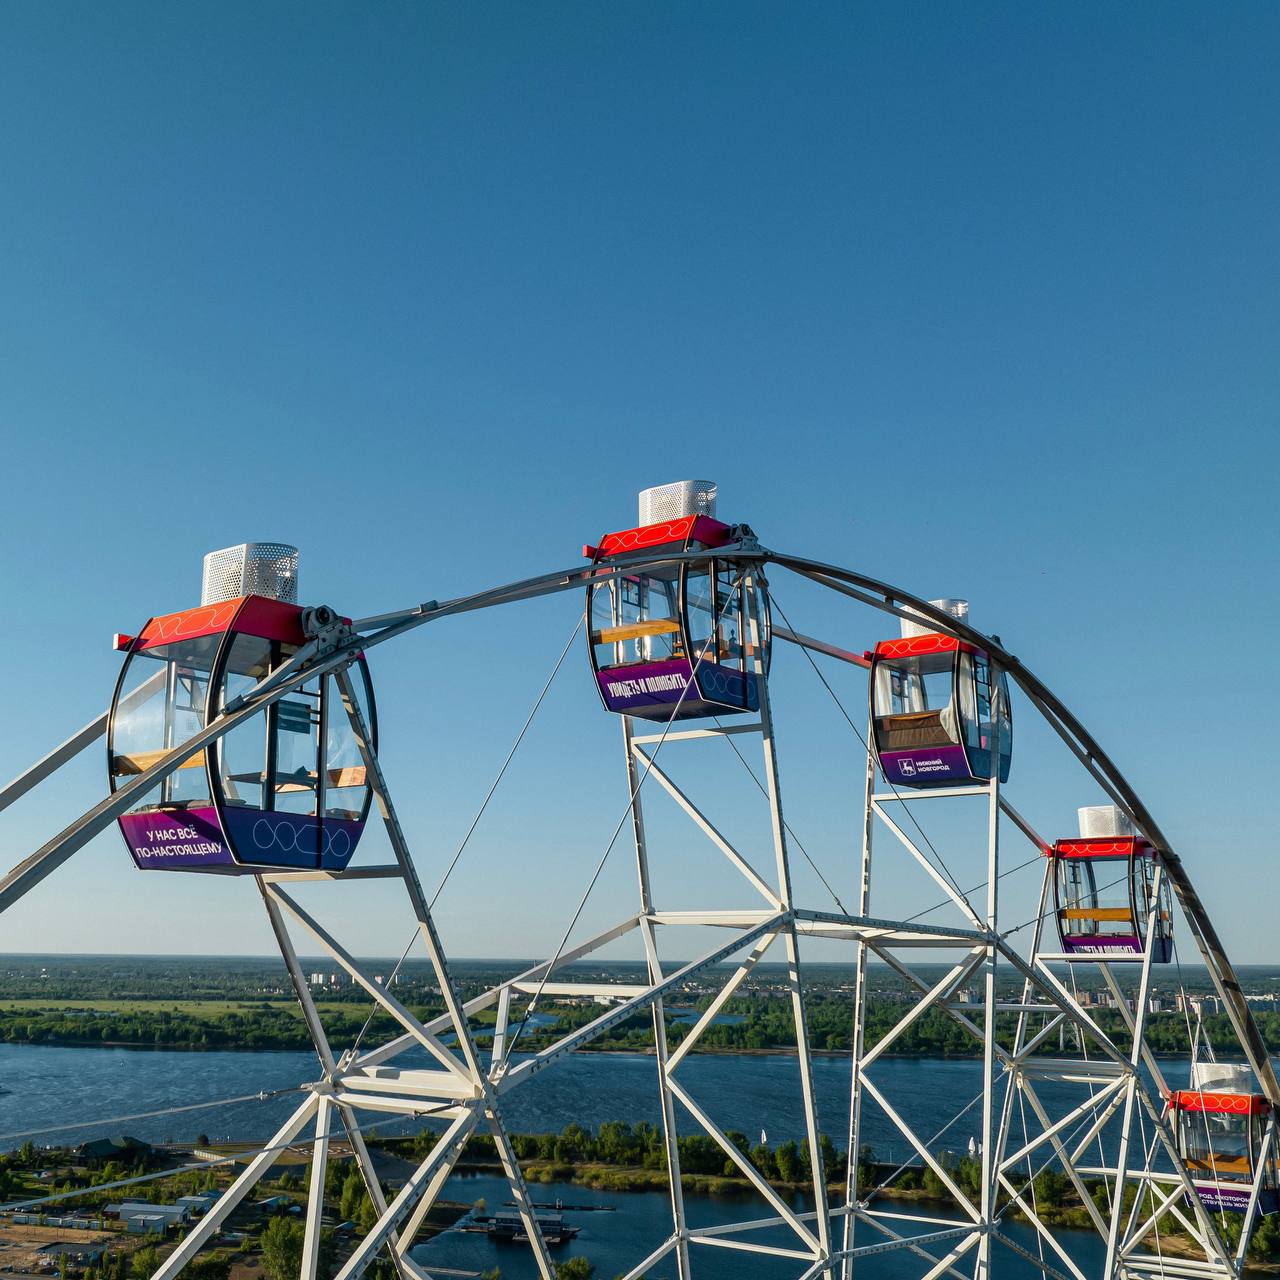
761 1025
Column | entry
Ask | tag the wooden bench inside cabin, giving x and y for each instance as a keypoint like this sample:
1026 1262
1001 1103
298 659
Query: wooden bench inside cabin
1098 913
1106 913
635 630
913 729
348 776
141 761
1215 1164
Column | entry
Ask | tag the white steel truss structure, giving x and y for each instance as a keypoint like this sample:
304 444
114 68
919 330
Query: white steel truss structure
1115 1144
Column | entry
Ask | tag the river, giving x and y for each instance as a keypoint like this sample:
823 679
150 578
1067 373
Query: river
47 1088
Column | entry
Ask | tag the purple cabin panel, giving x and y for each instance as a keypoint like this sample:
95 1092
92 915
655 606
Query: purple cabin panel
1102 945
652 690
1233 1198
176 840
926 767
634 689
280 839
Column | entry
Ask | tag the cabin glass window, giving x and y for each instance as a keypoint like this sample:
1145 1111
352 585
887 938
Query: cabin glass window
912 685
984 697
162 704
242 752
731 636
296 737
602 615
635 619
1006 718
913 703
757 633
138 727
968 689
1219 1144
700 615
1145 897
1093 897
345 774
652 599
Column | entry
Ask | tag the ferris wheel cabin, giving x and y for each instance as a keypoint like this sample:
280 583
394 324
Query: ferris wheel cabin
1222 1138
680 640
932 708
1104 886
284 789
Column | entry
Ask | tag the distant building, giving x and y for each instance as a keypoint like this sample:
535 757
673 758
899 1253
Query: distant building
85 1255
146 1224
200 1203
123 1150
172 1215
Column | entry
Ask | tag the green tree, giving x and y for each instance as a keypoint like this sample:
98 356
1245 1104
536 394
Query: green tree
212 1266
574 1269
282 1248
145 1261
786 1157
353 1195
831 1157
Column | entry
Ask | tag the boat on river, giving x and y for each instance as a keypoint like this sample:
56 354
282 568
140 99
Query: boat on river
507 1225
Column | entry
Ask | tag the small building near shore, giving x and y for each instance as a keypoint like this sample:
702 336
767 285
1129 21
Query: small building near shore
123 1150
146 1224
173 1215
73 1251
200 1203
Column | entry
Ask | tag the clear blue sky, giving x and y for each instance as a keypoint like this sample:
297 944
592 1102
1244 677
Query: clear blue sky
983 299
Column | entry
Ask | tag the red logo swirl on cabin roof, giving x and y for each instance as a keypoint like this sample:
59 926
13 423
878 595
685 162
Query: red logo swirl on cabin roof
914 646
253 615
207 619
1239 1104
702 529
1106 847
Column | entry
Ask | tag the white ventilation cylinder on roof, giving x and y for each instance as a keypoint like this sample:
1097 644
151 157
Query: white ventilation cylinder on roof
958 609
1098 821
673 501
251 569
1221 1077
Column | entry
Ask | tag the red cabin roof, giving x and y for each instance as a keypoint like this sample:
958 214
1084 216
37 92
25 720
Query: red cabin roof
254 615
682 532
1240 1104
1104 847
917 646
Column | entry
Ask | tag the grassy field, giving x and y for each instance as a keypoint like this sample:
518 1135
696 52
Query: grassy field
205 1008
194 1008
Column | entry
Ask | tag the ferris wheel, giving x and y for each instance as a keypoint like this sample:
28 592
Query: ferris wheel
242 740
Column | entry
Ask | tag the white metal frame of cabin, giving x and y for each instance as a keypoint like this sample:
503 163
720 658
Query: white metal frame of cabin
1147 1186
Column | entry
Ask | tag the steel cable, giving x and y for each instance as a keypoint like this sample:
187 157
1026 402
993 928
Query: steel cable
650 760
264 1096
942 866
475 822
